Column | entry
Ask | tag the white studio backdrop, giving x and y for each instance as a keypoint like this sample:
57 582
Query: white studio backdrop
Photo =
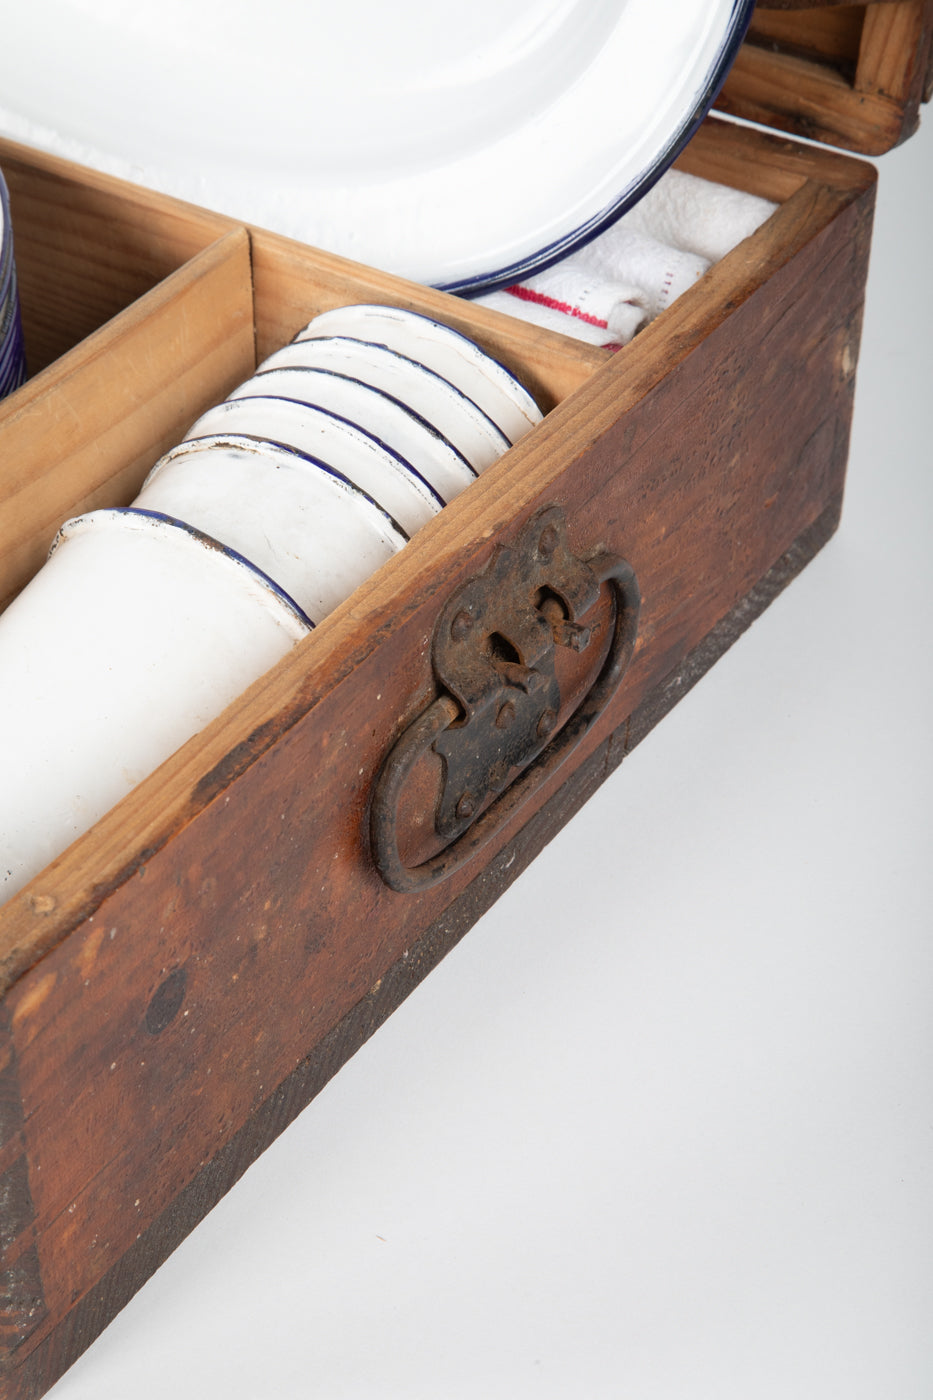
660 1127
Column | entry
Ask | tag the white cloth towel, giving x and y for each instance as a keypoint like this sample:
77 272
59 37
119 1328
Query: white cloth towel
697 215
606 291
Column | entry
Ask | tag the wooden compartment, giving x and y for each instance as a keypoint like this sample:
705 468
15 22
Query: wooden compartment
135 310
142 1069
92 247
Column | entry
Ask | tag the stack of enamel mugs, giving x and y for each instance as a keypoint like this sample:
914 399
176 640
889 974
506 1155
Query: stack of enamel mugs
276 506
340 447
12 360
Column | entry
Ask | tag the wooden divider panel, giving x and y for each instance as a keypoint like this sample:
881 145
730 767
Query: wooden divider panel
289 292
84 432
87 246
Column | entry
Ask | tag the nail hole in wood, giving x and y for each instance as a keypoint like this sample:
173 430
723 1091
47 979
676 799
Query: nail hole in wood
166 1003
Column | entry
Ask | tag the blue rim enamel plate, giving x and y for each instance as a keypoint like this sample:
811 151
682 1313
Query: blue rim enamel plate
298 520
12 357
157 524
463 149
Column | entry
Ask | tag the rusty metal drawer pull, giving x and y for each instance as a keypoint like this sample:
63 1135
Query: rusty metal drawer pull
493 655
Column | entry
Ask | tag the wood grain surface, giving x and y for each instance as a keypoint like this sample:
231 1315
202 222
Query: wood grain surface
88 246
84 432
850 76
91 1313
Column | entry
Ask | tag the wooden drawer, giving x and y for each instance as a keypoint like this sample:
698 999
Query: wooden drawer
143 1065
183 980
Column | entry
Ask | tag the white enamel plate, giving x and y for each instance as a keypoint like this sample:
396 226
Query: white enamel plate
12 359
463 146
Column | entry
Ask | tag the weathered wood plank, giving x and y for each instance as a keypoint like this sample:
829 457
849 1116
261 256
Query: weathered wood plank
100 1304
832 33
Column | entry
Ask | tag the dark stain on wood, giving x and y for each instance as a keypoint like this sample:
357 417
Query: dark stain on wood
166 1001
22 1303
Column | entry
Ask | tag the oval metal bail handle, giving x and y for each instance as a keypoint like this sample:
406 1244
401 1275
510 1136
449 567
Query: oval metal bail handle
443 711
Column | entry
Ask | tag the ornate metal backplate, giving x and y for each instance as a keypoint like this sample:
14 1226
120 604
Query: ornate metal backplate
493 654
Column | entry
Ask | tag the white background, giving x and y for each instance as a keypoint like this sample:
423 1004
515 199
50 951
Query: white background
660 1127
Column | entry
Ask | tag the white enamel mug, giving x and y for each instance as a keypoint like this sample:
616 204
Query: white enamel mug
357 455
133 636
434 398
460 360
434 458
309 528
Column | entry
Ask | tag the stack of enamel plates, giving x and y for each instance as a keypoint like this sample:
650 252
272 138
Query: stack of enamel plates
340 447
12 361
275 507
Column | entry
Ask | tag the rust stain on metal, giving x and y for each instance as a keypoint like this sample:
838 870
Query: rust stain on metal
494 659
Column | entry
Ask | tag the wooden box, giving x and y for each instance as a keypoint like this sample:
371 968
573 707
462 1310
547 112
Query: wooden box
182 980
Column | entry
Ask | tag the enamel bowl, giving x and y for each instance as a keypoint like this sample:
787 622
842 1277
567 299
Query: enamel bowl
471 431
456 358
358 456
